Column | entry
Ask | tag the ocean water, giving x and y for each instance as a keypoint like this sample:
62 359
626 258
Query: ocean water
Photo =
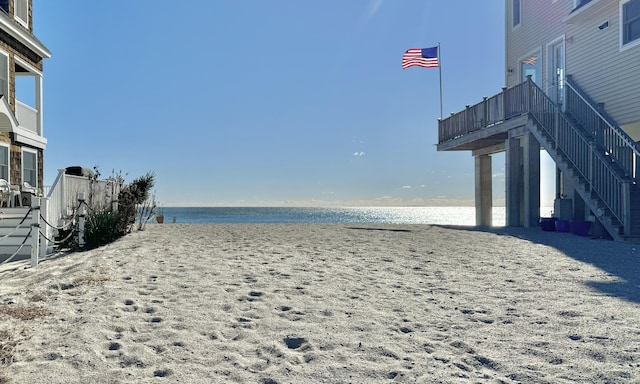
363 215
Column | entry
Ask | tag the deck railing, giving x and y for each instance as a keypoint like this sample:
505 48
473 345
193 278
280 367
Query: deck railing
576 145
491 111
64 193
27 117
615 142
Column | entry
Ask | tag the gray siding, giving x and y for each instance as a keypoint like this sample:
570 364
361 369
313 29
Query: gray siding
592 55
608 74
541 23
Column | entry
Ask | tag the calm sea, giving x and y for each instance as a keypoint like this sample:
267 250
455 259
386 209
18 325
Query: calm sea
364 215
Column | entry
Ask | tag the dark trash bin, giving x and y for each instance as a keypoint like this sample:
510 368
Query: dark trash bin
548 224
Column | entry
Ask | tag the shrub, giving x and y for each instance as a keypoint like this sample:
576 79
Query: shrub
101 227
105 225
130 197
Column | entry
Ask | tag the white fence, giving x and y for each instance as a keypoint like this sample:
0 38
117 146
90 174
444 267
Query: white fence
66 190
30 231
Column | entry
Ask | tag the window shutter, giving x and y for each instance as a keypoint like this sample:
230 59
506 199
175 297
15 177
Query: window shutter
4 162
4 76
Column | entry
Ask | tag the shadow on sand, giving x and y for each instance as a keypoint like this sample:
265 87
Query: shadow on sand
619 259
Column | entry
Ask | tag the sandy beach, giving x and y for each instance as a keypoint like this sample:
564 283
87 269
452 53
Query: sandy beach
326 303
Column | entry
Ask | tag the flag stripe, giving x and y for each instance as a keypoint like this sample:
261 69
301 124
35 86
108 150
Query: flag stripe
531 60
420 57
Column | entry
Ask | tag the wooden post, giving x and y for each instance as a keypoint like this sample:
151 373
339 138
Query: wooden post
504 104
556 130
626 208
81 219
485 111
35 231
63 194
465 128
44 242
115 192
592 149
529 95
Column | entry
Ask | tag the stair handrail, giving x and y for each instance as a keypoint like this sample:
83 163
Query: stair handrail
631 166
573 142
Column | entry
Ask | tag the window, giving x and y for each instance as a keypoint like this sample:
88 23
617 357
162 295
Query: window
4 75
4 5
29 167
630 21
531 65
4 162
516 12
21 12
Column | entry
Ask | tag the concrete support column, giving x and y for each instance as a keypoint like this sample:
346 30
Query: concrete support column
531 157
513 181
484 191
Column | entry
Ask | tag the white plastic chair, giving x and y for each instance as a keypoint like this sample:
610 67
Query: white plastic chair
6 194
27 188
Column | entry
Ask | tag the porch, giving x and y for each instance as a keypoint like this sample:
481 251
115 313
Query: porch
596 160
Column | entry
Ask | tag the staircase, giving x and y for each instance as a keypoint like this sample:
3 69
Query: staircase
600 158
585 143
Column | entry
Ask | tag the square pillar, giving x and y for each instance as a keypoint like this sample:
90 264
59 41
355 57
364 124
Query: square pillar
531 157
484 191
513 181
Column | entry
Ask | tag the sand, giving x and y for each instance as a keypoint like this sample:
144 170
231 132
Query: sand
326 303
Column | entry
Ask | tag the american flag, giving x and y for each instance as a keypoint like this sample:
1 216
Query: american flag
530 60
421 57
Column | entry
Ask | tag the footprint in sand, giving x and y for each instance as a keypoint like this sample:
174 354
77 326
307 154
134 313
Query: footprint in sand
162 373
114 346
254 295
130 306
294 342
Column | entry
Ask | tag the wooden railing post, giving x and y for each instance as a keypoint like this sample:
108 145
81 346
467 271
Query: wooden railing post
485 111
528 94
556 131
592 149
81 219
63 194
504 103
35 231
44 242
467 119
626 208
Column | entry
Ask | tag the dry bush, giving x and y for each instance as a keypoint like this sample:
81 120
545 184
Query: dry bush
38 297
7 346
24 312
92 278
89 279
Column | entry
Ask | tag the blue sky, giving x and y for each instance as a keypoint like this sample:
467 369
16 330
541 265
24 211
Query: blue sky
280 102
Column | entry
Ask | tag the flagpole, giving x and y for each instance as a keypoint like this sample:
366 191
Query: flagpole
440 70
